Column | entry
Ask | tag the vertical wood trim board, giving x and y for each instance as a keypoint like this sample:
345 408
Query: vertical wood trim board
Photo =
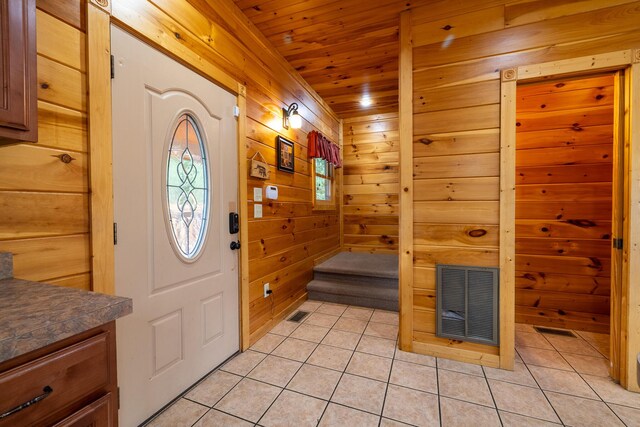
406 184
339 190
507 217
244 220
100 148
618 215
633 234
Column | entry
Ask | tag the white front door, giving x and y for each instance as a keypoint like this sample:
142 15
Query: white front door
175 182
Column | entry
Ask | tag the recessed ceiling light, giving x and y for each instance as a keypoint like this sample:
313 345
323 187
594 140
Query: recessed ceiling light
366 101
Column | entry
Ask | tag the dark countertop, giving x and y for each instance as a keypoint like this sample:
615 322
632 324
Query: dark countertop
34 315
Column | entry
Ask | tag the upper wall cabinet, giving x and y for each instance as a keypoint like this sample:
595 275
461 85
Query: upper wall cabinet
18 100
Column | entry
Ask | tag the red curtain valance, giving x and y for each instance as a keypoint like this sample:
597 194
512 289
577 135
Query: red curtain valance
320 147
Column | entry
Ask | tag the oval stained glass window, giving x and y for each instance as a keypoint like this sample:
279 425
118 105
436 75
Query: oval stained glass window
187 187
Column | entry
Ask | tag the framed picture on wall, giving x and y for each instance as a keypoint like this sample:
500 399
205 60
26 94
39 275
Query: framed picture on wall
286 157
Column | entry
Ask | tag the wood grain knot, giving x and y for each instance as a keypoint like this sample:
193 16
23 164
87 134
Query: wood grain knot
426 141
65 158
406 189
479 232
44 85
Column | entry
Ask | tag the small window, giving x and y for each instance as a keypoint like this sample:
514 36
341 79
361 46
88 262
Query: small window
323 173
187 188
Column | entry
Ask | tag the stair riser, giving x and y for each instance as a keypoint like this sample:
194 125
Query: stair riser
360 280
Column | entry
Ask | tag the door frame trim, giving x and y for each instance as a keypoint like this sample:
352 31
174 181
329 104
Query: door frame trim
98 53
628 300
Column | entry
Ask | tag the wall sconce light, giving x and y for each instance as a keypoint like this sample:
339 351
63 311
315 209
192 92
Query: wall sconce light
290 117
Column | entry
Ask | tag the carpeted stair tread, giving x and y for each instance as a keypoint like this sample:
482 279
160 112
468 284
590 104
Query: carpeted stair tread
361 264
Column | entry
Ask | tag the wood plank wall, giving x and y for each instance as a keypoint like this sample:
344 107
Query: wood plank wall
284 244
564 176
44 201
459 49
371 183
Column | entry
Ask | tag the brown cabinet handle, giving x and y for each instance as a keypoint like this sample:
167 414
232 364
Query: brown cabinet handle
46 392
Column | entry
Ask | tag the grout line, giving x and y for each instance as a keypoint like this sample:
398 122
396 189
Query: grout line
486 380
438 391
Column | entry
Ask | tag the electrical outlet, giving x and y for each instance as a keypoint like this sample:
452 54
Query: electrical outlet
267 291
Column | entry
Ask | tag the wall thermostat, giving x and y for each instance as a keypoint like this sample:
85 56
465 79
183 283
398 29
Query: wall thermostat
271 192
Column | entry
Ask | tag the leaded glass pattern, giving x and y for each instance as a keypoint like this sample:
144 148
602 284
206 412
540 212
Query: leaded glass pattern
187 187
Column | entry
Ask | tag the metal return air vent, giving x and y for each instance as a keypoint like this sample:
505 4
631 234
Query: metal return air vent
298 316
467 303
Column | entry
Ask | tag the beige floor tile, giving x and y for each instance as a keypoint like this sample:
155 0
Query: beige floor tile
330 357
294 410
341 416
382 330
319 319
310 306
456 413
342 339
360 393
465 368
419 377
382 316
593 336
370 366
386 422
603 348
522 327
182 413
243 363
284 328
378 346
522 400
213 388
420 359
572 345
577 411
411 406
268 343
295 349
630 416
350 325
332 309
215 418
519 375
613 393
358 313
562 382
532 339
514 420
542 357
275 370
598 366
259 394
469 388
311 333
315 381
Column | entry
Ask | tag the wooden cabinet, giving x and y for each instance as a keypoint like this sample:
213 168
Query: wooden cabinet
18 99
72 383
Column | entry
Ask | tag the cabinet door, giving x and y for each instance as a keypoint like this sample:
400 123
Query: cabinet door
96 414
18 97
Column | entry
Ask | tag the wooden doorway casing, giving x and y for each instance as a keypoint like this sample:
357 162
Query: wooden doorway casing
625 298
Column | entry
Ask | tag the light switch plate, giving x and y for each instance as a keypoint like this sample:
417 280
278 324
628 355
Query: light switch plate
257 210
257 194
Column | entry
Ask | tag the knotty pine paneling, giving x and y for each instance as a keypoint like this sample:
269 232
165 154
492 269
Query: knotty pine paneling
284 243
456 90
575 181
44 202
371 180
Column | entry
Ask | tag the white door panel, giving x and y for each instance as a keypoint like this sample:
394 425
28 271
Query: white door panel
185 320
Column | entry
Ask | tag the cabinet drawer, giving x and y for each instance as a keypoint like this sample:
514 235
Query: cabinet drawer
75 375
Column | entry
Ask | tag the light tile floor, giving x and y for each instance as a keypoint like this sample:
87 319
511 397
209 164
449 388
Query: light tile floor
340 367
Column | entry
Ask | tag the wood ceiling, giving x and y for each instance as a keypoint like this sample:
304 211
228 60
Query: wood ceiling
346 49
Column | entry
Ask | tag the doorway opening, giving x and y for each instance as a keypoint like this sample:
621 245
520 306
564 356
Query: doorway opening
567 214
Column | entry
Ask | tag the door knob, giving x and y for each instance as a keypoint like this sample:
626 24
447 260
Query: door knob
234 246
